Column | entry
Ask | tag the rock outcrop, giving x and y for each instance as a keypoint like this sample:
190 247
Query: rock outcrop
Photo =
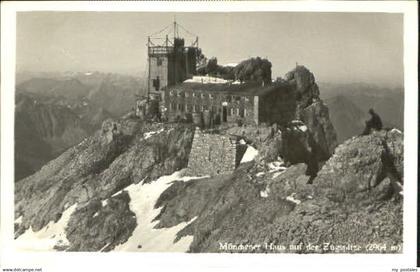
347 207
97 168
101 225
312 111
310 138
306 89
370 164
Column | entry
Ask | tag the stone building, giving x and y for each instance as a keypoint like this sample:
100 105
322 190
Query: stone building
175 92
169 63
230 102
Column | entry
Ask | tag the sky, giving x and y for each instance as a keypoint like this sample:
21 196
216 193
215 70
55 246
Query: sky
336 47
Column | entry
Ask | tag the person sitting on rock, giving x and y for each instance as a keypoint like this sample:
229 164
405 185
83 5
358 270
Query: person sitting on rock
374 123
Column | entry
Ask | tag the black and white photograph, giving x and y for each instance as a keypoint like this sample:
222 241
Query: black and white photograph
275 132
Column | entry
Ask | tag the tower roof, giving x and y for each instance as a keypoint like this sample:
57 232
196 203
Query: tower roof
169 36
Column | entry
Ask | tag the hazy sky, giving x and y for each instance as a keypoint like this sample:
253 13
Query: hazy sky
336 47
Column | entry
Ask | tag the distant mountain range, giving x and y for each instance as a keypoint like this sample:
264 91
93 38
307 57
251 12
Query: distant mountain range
57 111
348 106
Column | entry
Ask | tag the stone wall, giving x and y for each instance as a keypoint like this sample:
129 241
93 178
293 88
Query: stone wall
211 154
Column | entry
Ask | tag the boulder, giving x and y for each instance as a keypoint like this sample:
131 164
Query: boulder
361 164
101 225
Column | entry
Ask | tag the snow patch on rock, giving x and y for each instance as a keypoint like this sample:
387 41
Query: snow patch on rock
265 193
275 175
105 246
276 166
396 130
303 128
292 198
151 133
117 193
145 237
18 220
259 174
250 154
48 237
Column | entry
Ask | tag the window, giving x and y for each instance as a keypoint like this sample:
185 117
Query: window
231 111
193 94
187 94
159 61
189 108
195 108
237 111
211 96
202 108
171 93
246 99
203 95
181 107
156 83
245 113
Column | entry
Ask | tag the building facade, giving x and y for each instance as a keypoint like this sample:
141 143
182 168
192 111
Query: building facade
215 104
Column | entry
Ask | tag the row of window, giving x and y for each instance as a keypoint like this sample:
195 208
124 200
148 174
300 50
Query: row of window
186 94
196 108
229 98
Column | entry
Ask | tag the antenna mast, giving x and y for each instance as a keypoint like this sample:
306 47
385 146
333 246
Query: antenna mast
175 30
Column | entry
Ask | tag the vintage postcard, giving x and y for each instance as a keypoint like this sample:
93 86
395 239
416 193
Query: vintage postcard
176 129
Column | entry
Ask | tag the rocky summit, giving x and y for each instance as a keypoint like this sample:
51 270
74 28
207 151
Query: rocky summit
290 188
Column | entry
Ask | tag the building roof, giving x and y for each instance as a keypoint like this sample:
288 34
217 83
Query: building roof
230 88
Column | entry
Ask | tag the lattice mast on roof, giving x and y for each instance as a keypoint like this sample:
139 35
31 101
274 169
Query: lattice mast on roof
170 61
